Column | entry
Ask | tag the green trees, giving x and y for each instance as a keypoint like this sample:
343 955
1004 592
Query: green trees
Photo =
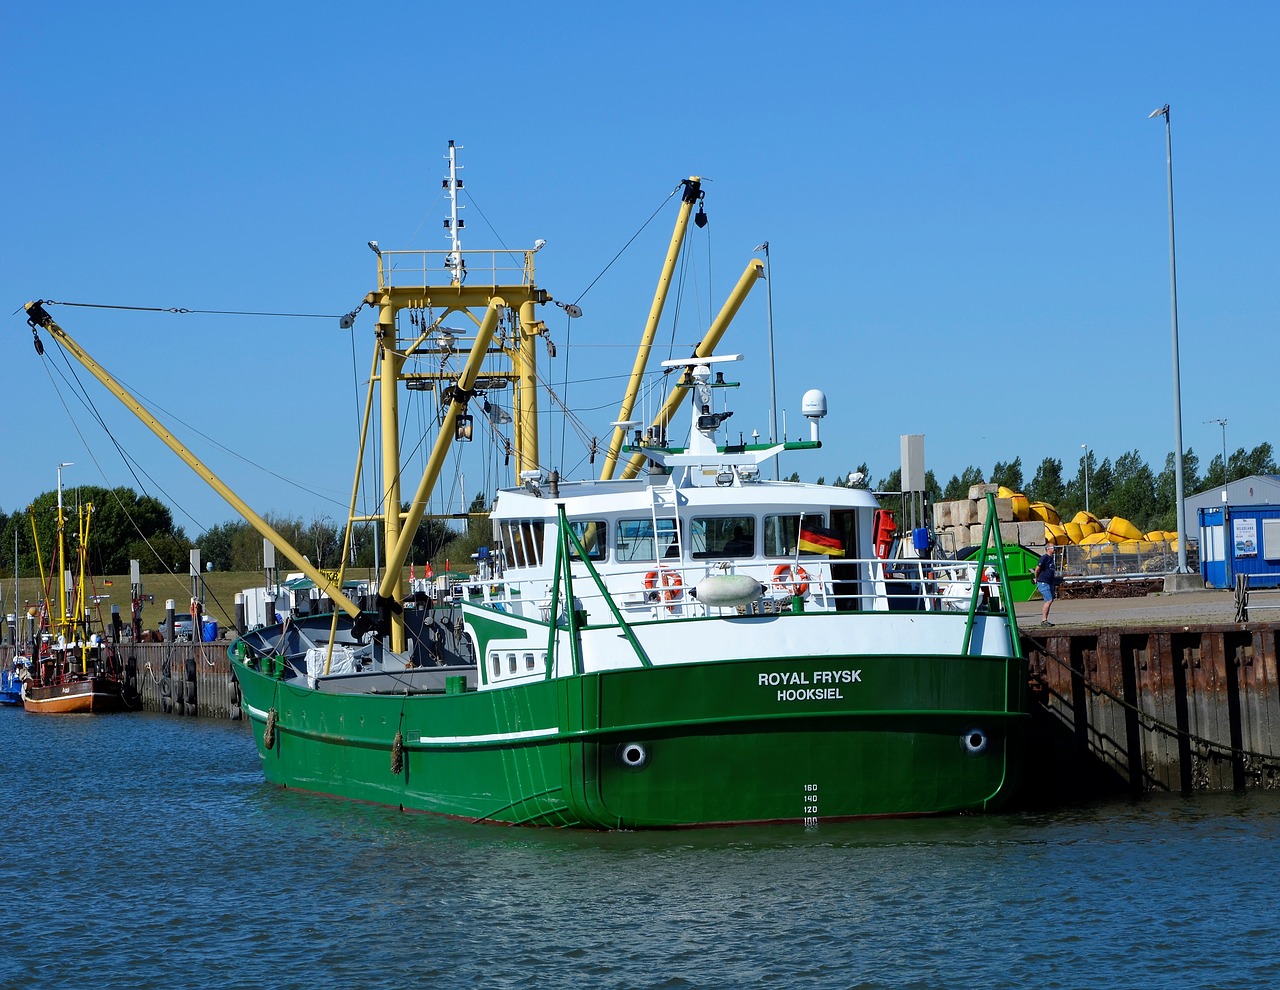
1047 484
122 526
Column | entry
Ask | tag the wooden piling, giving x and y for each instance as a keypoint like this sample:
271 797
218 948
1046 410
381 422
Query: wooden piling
1156 708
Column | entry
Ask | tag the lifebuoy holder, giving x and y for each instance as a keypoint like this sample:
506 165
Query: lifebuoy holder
791 578
669 581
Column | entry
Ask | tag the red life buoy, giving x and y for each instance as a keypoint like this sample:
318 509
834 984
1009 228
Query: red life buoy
791 578
671 583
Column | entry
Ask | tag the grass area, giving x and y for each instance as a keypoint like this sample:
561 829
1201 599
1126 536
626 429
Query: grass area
220 595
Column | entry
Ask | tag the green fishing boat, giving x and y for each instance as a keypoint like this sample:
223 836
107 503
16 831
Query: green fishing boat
687 643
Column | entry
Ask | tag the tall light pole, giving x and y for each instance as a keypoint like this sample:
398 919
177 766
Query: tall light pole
773 388
1223 424
1177 378
1086 476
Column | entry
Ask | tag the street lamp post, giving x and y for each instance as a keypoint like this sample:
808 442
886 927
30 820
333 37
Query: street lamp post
773 390
1177 384
1086 476
1223 424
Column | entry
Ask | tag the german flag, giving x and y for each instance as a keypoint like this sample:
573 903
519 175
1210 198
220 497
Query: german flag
815 539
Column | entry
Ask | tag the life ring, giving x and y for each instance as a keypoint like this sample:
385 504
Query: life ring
671 583
791 578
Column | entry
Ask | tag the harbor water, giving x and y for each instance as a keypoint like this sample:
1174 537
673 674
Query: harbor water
146 851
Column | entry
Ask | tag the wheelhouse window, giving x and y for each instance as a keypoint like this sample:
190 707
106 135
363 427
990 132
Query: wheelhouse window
636 539
724 536
522 539
592 535
781 534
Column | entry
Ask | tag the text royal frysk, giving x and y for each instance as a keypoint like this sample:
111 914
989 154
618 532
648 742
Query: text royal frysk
797 686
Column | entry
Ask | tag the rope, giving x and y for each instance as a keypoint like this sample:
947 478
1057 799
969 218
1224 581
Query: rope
183 311
1211 747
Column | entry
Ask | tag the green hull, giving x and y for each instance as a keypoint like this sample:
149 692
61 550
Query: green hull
767 740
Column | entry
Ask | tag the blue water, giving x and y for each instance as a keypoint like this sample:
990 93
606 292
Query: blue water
146 851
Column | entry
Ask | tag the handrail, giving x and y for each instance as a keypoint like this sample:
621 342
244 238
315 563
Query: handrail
938 585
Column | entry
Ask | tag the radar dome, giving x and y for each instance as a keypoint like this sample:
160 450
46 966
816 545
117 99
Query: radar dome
814 403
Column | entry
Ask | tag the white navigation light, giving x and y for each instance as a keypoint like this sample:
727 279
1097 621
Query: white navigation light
539 244
373 246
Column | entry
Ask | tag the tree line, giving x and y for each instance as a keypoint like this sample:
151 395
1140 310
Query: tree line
125 526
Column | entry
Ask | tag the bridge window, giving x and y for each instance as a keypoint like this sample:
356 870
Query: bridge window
636 539
592 536
724 536
781 532
523 541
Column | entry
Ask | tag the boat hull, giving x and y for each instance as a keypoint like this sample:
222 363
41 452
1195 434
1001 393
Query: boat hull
87 695
764 740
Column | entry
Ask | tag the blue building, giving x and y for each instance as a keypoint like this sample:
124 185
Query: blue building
1239 528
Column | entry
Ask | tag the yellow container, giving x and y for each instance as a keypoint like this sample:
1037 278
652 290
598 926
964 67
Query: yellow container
1093 539
1123 529
1083 518
1075 533
1045 511
1021 507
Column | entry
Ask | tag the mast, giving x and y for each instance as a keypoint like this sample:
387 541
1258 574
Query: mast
499 291
692 194
457 267
750 275
63 623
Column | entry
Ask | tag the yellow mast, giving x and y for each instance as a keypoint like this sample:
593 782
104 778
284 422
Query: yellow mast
64 623
749 277
692 193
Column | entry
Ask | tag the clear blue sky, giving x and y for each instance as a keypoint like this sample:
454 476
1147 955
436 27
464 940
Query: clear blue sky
960 198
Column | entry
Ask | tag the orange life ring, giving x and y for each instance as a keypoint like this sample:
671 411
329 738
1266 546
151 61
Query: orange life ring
791 577
671 583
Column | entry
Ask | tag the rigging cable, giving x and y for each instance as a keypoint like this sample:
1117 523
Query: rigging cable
581 295
183 311
77 387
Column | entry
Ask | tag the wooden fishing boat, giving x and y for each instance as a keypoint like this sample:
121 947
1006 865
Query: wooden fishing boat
76 669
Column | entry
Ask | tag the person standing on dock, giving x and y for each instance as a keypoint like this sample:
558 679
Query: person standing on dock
1046 579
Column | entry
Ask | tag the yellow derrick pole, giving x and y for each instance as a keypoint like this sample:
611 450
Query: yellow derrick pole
692 188
753 272
524 362
39 317
83 515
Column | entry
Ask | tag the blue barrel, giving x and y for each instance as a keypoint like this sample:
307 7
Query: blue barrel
920 539
210 631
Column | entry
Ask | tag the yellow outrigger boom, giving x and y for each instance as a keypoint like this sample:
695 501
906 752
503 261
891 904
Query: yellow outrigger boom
37 317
